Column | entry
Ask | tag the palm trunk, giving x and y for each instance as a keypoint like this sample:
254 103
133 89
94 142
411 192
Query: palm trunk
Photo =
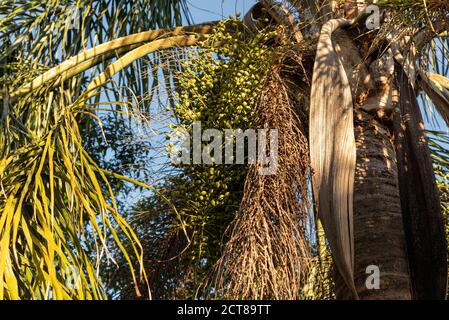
378 228
379 237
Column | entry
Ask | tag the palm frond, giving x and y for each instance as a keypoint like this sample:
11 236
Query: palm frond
52 192
332 150
437 88
92 57
420 203
59 219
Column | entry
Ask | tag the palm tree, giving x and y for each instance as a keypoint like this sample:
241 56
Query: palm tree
342 92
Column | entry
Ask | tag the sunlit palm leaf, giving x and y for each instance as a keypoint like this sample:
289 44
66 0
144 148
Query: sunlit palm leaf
332 150
58 215
52 192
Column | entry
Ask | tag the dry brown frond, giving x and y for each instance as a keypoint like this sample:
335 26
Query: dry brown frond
332 149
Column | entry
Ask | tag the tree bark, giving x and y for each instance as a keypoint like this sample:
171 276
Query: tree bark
378 227
379 237
396 219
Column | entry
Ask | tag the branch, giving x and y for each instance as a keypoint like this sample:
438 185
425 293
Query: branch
424 36
130 57
283 16
106 49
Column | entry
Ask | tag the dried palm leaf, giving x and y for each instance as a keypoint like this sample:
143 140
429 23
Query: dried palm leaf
332 150
421 210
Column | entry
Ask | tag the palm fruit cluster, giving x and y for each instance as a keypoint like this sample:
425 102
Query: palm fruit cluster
219 86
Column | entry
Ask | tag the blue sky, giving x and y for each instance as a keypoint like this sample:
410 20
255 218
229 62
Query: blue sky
210 10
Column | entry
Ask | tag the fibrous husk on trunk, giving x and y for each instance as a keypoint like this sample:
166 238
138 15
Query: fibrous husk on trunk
333 150
267 254
421 210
